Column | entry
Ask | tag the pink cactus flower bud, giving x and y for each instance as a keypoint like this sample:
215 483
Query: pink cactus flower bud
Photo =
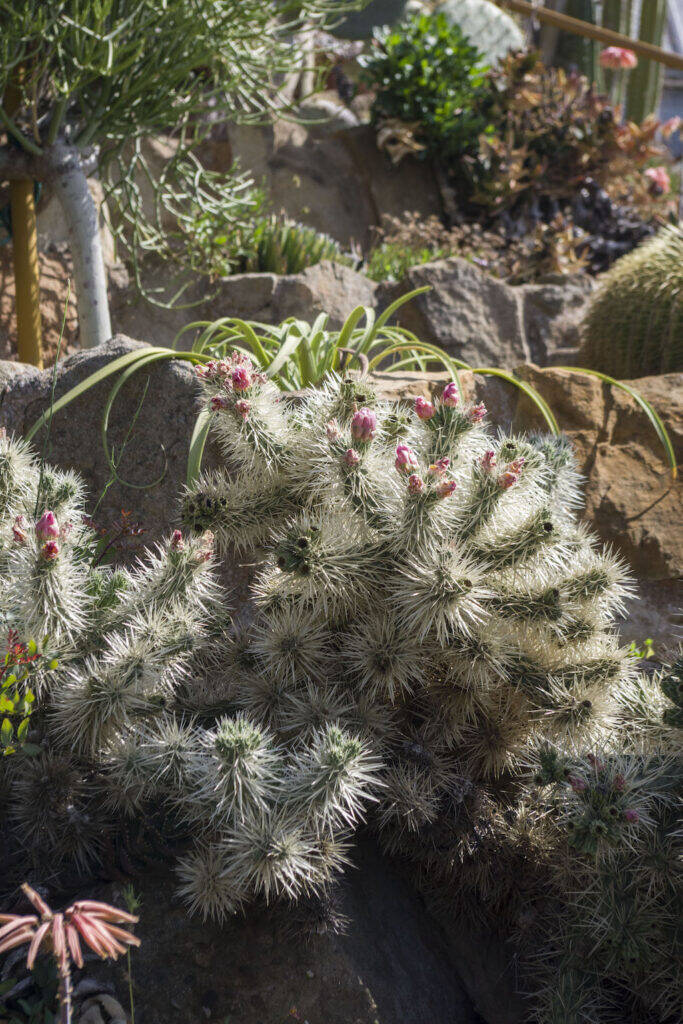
19 529
619 783
363 425
517 464
577 784
488 461
406 459
477 413
659 182
439 467
424 409
445 488
50 550
47 527
617 58
415 484
177 542
333 431
208 538
241 378
632 816
507 479
243 408
351 457
450 395
218 402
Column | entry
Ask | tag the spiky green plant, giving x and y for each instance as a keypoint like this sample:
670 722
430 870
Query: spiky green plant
116 735
634 324
276 245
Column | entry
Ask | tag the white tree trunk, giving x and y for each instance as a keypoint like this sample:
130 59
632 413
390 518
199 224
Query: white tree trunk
67 177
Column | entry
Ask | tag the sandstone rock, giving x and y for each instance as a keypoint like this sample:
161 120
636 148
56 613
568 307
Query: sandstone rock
486 322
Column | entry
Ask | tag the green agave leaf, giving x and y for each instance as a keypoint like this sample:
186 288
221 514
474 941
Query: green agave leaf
287 348
649 410
391 309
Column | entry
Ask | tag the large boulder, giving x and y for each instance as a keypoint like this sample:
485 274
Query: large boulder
485 321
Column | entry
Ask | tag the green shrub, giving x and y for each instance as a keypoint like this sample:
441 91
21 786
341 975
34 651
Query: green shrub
276 245
634 324
429 76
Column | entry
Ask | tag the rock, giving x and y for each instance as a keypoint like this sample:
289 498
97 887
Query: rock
327 114
485 321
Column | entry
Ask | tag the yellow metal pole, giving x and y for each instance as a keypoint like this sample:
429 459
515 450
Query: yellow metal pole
25 254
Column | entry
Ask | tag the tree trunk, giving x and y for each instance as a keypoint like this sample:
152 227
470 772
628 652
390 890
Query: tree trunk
66 175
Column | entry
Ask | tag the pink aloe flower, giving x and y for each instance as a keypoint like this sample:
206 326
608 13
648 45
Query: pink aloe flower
439 467
177 542
632 816
19 530
363 425
488 461
406 459
351 457
47 527
424 409
50 551
243 408
659 180
241 378
617 58
477 413
415 484
450 395
333 430
445 488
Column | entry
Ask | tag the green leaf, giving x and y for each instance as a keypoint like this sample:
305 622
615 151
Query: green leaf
22 730
197 445
528 390
6 732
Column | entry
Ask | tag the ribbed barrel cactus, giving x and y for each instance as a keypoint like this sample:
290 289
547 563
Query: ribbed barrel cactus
118 737
634 323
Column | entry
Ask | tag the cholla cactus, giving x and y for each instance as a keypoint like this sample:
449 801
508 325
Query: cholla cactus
115 735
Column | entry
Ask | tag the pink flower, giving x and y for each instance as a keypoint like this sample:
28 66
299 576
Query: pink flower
577 784
424 409
616 58
477 413
47 527
406 459
218 402
507 479
242 408
659 180
488 461
632 816
619 783
333 431
241 378
445 488
363 425
671 126
177 542
19 529
415 484
439 467
450 395
50 551
351 457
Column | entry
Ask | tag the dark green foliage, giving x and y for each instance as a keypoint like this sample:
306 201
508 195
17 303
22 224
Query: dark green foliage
427 72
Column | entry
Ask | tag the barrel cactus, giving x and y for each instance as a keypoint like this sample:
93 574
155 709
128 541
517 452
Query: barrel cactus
492 30
634 324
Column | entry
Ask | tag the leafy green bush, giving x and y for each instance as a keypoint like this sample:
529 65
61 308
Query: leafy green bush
429 76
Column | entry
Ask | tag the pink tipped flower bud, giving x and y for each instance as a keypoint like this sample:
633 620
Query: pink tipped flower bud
333 431
19 530
477 413
406 459
50 550
450 395
507 479
363 425
617 58
351 457
218 402
658 179
206 550
516 465
445 488
241 378
47 527
632 816
577 784
619 783
177 542
424 409
415 484
439 467
243 408
488 461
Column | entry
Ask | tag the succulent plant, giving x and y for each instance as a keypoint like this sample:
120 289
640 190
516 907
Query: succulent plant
276 245
634 324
